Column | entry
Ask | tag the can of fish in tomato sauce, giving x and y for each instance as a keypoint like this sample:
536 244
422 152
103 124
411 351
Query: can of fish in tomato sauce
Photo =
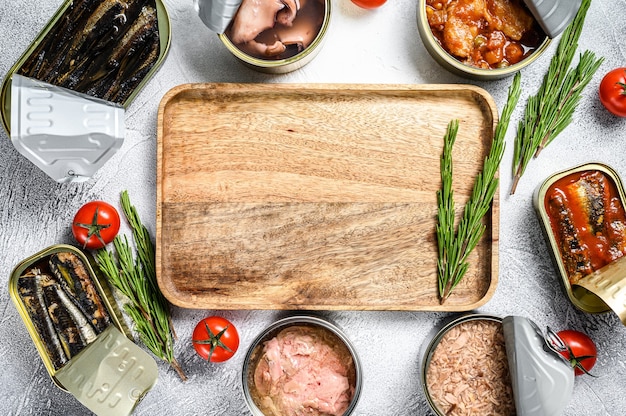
72 317
480 364
583 219
63 101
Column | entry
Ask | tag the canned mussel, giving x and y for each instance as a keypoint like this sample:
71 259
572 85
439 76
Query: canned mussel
78 330
584 220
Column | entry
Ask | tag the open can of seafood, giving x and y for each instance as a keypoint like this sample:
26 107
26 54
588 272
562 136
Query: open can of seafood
280 38
479 364
583 219
79 331
62 102
310 355
460 41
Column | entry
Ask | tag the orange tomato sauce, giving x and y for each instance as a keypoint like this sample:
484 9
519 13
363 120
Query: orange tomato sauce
484 33
599 223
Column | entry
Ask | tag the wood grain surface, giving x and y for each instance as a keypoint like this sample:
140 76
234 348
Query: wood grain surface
315 196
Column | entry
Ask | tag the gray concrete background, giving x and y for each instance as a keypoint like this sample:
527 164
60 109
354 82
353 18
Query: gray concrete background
380 46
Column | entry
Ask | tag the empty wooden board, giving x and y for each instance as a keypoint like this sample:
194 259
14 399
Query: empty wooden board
316 196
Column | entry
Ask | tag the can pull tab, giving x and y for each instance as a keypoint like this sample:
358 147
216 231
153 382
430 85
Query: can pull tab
216 14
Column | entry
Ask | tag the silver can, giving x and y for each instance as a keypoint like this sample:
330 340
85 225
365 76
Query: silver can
327 331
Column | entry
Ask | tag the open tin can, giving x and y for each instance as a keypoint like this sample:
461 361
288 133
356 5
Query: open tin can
583 218
62 103
484 364
309 340
285 43
79 332
551 17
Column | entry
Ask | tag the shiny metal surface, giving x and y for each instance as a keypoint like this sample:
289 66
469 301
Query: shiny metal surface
361 46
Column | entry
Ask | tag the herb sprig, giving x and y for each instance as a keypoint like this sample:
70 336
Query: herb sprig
454 247
133 273
551 110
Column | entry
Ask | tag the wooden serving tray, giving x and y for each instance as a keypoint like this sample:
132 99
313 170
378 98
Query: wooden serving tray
316 196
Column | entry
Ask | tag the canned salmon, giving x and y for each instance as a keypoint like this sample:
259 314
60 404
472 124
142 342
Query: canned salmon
584 221
78 330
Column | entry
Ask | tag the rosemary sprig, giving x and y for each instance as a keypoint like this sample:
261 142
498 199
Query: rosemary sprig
454 248
551 110
133 274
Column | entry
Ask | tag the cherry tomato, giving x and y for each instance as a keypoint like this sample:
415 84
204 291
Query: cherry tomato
215 339
369 4
613 91
581 351
96 224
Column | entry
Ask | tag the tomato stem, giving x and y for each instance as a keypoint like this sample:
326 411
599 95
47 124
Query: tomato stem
214 340
93 229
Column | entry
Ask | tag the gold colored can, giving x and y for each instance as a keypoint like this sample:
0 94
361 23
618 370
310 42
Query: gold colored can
64 303
582 214
115 21
73 319
284 65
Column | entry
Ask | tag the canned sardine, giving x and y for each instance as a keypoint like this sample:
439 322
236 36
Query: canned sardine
584 221
106 49
79 332
63 303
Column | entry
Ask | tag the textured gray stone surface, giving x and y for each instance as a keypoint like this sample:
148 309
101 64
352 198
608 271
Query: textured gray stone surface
380 46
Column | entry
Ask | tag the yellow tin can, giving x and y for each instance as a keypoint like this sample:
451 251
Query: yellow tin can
73 319
88 47
582 214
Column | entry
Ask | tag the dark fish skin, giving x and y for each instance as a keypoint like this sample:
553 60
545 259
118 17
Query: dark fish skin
31 292
103 48
58 39
576 256
70 335
115 75
72 274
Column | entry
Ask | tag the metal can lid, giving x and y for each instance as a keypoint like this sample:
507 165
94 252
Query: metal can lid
542 380
111 375
216 14
553 15
609 284
66 134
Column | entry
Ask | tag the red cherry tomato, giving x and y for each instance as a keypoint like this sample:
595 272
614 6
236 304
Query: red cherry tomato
581 351
215 339
369 4
95 224
613 91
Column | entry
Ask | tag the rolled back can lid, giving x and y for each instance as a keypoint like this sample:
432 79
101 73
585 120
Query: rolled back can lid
553 15
542 381
609 284
216 14
66 134
111 375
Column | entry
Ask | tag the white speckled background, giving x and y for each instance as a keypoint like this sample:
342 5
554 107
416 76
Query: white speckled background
380 46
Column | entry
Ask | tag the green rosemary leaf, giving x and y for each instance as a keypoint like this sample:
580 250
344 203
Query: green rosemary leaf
133 273
454 247
551 110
